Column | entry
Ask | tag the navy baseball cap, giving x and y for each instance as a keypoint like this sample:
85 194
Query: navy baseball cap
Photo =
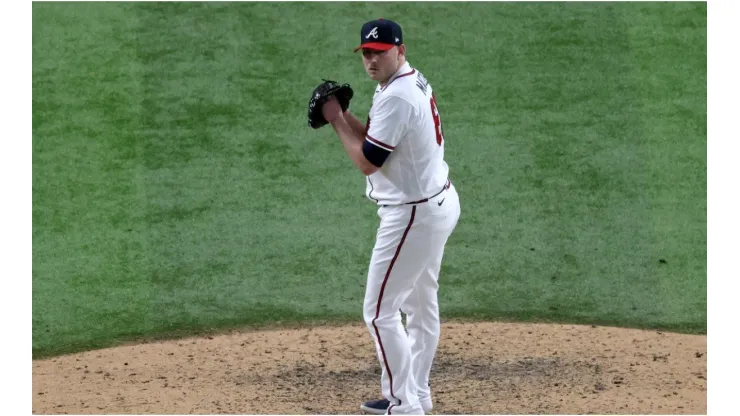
380 35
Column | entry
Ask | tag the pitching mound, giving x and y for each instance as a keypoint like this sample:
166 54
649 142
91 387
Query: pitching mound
481 368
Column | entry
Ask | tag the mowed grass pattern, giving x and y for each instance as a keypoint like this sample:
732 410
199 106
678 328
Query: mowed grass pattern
177 188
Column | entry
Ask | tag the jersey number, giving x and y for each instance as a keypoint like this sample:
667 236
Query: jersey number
437 122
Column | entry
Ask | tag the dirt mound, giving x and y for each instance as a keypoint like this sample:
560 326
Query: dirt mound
481 368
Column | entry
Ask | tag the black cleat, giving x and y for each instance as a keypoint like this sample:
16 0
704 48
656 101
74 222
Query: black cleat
376 407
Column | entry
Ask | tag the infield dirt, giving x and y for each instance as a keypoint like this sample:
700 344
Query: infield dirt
481 368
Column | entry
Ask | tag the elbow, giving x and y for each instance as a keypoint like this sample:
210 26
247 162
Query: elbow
369 169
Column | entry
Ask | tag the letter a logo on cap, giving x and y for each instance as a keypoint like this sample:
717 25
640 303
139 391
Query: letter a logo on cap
373 33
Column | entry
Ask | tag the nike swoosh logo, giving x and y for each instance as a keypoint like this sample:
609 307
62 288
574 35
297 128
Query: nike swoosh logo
439 204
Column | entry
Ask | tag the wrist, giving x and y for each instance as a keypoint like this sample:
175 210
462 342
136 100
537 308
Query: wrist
337 119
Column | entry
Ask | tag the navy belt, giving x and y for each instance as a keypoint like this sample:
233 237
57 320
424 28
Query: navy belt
421 201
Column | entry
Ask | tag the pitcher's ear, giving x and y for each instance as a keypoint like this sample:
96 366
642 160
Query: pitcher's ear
402 49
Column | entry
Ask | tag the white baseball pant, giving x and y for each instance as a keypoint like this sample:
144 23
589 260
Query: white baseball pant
403 274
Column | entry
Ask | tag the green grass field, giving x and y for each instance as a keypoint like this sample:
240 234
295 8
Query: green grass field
177 188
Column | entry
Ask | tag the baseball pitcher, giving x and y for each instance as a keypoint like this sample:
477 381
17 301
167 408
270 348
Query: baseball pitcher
400 150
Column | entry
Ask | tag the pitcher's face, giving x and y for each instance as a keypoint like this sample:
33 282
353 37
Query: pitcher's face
381 65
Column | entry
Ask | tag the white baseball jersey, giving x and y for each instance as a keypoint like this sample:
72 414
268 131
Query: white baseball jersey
404 120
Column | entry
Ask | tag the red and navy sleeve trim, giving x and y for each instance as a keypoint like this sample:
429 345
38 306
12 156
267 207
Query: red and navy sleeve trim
380 144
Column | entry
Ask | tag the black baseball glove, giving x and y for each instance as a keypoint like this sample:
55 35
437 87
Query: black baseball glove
321 94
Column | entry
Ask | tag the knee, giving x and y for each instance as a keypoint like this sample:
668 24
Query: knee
369 319
369 310
382 320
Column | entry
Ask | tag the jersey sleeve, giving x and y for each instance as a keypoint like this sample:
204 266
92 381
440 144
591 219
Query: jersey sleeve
387 127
